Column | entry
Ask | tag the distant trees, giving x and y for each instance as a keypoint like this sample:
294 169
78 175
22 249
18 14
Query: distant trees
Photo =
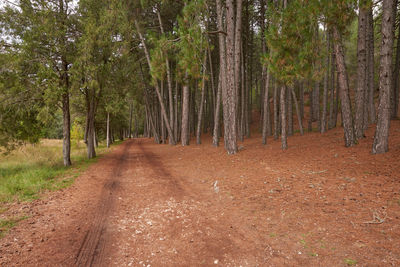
173 70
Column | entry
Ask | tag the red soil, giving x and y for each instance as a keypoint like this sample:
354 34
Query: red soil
316 204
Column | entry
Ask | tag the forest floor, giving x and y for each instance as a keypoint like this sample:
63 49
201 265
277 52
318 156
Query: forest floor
316 204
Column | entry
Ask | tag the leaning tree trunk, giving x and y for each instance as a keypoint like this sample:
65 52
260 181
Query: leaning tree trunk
361 72
347 119
163 111
380 144
201 108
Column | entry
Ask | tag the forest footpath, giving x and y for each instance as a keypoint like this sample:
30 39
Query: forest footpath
317 204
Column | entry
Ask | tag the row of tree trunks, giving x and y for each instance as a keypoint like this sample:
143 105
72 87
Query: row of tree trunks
381 137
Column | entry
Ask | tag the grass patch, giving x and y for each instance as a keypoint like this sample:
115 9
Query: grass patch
32 169
7 224
350 262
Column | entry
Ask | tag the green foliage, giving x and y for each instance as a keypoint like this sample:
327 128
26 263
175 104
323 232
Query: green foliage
192 44
292 42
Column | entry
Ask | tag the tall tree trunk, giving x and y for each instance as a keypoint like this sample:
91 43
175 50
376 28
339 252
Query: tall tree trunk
276 119
283 118
265 122
91 152
66 130
185 133
169 82
396 72
371 66
201 108
130 120
290 110
108 129
332 90
237 58
326 80
361 71
380 144
349 136
229 91
301 99
163 111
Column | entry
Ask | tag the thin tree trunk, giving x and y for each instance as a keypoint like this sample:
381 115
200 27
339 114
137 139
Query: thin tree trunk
185 113
201 108
290 111
301 99
283 118
349 136
276 119
108 129
164 113
130 120
297 111
381 138
332 90
266 108
325 94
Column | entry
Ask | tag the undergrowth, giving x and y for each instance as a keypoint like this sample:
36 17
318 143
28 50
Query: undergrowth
32 169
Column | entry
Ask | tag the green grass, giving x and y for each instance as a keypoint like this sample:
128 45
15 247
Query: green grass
32 169
350 262
7 224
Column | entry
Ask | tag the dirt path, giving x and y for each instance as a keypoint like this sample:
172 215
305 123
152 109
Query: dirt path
317 204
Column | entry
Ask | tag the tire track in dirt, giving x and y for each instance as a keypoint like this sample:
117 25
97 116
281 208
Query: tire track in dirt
161 173
91 252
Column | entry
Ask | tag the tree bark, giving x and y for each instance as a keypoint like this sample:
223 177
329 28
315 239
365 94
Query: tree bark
66 130
283 118
396 72
229 91
371 66
130 120
201 108
361 71
185 135
380 144
265 122
276 119
325 94
108 129
349 136
290 110
297 111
